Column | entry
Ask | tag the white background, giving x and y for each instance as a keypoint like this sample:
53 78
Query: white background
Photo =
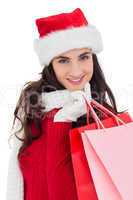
19 64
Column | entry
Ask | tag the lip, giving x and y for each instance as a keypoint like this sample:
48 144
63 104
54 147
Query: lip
76 82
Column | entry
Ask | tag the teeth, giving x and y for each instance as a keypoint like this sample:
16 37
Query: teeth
76 80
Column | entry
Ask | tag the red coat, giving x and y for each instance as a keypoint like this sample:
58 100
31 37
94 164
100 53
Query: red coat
46 164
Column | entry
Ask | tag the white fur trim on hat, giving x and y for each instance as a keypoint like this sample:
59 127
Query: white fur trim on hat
61 41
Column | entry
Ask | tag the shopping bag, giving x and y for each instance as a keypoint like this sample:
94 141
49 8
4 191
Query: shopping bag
83 178
109 156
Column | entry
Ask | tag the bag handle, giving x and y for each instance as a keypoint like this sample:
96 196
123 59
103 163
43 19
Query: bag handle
106 114
107 111
97 109
94 115
100 110
96 120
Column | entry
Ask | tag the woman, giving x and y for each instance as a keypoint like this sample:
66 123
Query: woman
40 164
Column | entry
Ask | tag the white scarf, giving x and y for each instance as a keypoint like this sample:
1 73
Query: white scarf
59 98
54 99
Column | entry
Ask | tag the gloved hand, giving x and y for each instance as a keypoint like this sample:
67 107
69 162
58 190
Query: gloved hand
76 107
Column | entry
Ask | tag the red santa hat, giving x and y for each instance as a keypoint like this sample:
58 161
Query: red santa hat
62 32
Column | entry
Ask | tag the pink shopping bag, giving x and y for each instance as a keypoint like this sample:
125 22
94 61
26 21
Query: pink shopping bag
109 156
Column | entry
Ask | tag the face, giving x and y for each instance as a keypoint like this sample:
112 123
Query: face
74 68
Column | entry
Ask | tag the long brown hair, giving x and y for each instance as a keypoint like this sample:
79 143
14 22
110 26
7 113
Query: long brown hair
29 108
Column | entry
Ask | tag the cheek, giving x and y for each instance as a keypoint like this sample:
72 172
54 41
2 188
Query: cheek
88 69
60 72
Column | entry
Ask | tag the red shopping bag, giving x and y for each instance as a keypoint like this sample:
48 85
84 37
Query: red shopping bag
83 177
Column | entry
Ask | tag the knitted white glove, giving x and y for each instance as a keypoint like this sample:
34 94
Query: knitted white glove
76 107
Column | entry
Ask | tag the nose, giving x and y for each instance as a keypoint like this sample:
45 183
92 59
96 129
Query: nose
76 71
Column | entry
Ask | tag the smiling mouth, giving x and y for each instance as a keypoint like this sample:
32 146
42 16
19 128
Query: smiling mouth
76 81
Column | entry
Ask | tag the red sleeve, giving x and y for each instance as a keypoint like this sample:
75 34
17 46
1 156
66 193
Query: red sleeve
48 161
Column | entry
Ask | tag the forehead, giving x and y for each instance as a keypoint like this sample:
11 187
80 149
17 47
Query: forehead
75 51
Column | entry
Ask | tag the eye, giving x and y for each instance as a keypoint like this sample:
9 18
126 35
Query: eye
85 57
63 61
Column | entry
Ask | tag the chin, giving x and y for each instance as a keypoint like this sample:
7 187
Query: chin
74 87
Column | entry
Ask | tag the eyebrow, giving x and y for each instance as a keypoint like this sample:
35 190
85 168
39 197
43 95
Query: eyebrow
87 52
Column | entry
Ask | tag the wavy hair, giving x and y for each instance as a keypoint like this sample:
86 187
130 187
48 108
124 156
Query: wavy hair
29 109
